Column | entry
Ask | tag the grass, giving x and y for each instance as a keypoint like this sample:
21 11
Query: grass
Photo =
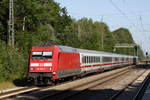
6 85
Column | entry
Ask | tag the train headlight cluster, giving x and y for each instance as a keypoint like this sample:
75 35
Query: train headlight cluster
41 64
47 64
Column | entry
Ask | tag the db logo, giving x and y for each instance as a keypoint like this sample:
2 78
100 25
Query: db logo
41 64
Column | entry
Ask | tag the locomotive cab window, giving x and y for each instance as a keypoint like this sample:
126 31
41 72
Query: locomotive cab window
47 55
36 55
41 55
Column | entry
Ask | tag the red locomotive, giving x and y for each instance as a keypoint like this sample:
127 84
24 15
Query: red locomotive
49 63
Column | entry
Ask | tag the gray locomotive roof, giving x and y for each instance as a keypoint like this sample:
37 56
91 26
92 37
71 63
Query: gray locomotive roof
67 49
62 48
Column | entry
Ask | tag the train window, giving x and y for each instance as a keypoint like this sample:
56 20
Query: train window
122 59
47 55
127 59
36 55
99 59
42 55
86 59
107 59
90 59
94 59
116 59
83 59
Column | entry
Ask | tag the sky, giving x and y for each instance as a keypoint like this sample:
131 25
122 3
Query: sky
131 14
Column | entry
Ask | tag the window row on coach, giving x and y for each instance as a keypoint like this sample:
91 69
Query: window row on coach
95 59
91 59
103 59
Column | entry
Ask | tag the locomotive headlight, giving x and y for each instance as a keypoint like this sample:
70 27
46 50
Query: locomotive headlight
50 68
34 64
47 64
32 68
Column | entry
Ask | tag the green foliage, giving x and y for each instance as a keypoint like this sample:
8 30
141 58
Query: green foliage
123 35
3 20
12 63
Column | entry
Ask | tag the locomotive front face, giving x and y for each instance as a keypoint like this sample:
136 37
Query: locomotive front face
41 61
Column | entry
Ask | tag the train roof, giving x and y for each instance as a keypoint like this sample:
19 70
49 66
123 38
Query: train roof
103 53
67 49
76 50
62 48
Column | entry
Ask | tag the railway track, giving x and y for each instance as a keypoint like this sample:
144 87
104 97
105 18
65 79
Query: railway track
139 93
18 92
52 92
142 88
62 95
57 93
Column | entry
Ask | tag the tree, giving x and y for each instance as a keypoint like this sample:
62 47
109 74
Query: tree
123 35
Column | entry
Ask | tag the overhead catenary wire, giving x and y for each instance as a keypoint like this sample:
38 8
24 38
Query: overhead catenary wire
130 21
127 18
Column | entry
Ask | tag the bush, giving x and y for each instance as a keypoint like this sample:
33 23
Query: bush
13 64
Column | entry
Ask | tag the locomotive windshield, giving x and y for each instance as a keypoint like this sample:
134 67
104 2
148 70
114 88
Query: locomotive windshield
42 55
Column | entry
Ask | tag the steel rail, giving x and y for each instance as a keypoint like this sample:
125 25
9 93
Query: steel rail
35 89
141 90
119 93
17 92
103 80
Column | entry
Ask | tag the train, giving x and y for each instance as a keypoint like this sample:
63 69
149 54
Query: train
49 63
